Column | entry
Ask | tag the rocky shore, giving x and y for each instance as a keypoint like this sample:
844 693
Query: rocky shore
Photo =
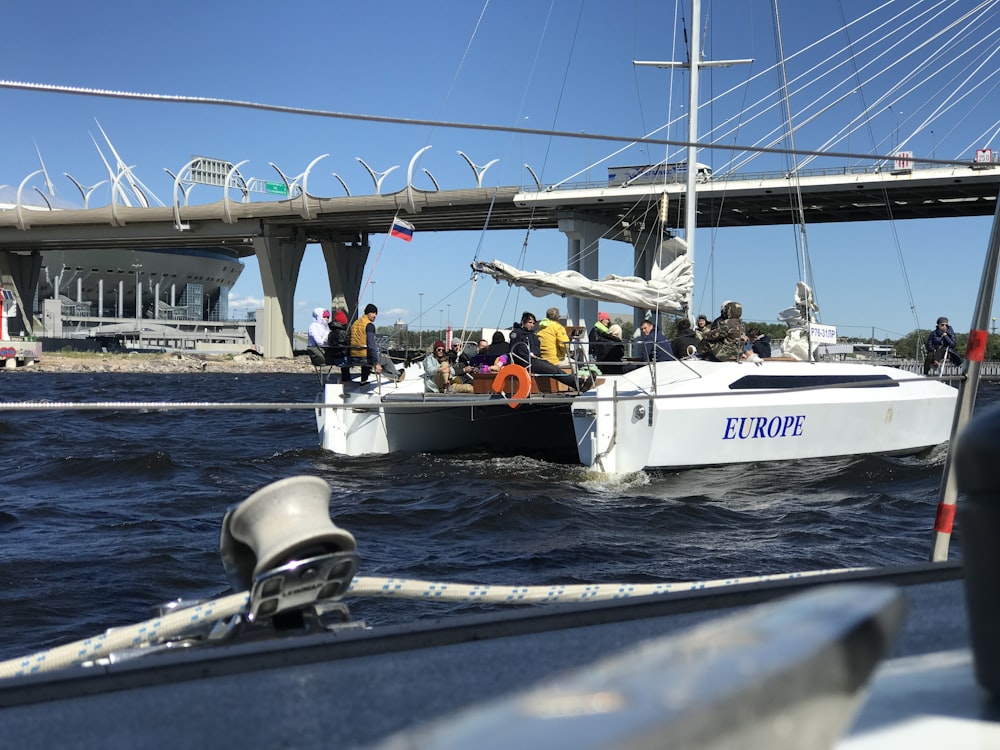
164 363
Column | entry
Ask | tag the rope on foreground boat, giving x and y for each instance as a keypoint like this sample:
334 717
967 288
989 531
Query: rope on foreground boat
179 622
116 639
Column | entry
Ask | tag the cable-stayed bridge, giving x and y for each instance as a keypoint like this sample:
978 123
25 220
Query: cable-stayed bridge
277 232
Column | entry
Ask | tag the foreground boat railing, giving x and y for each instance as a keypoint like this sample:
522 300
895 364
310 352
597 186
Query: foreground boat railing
786 674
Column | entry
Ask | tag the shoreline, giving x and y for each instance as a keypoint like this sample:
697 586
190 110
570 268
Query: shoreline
164 363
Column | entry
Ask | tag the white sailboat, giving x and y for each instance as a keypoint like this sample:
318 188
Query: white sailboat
666 414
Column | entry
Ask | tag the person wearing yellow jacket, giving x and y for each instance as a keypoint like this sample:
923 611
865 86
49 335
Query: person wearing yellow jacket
364 348
553 339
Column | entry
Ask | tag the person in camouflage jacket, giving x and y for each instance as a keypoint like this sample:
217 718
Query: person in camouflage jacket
724 342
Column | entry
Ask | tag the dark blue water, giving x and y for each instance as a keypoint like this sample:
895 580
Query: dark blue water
106 513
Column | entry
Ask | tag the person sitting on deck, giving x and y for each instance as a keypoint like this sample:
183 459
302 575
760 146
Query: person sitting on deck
724 343
603 346
437 369
683 339
319 329
656 346
317 336
760 343
612 362
941 345
498 346
482 360
553 340
337 345
466 366
525 350
364 349
701 325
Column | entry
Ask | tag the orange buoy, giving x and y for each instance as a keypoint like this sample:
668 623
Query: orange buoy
520 374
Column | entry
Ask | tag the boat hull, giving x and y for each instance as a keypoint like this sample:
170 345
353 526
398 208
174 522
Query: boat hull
709 413
698 414
401 418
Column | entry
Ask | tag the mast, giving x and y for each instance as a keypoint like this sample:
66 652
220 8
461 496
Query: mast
693 65
974 354
690 196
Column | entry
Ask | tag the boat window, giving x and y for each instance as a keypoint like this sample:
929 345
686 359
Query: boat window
751 382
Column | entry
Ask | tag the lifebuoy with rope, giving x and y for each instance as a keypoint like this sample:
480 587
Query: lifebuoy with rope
520 375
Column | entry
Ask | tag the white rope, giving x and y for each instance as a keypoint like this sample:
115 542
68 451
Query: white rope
402 588
176 624
133 636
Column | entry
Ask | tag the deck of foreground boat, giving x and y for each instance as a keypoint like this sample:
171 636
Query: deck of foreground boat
362 686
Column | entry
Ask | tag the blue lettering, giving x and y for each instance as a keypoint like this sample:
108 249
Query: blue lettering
751 428
798 425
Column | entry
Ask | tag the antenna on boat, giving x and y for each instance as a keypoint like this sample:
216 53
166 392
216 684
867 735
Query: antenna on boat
694 66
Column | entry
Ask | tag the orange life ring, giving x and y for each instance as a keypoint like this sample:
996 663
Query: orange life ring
520 374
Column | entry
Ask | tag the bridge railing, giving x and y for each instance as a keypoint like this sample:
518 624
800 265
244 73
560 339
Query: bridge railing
871 169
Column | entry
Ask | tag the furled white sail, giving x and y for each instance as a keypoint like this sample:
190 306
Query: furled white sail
666 291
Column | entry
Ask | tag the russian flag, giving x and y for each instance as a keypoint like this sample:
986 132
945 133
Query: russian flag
401 229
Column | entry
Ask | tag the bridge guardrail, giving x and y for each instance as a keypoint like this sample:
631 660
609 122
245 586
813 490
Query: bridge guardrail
750 176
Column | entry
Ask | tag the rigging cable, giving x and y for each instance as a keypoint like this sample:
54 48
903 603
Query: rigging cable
735 133
414 121
885 194
444 103
475 274
804 271
959 45
520 114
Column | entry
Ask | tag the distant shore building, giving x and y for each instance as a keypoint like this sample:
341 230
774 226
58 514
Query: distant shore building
144 298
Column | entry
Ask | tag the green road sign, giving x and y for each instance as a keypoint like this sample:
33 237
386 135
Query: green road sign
278 188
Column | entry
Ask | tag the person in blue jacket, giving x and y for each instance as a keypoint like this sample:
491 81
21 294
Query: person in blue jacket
941 344
656 346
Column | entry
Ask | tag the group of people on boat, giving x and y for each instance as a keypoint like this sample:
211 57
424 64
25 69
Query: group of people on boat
454 371
545 349
334 343
722 340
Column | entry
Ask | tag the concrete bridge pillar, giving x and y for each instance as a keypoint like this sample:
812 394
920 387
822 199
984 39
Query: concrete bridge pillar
645 243
581 256
651 247
20 272
279 255
345 268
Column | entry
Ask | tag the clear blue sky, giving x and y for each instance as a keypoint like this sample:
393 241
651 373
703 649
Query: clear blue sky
565 65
